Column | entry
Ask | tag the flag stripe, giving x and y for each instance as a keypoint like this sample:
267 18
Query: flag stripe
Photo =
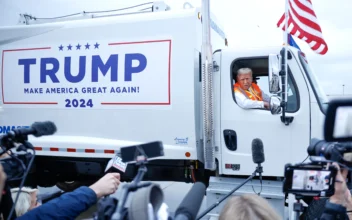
281 21
306 27
305 6
303 23
306 18
307 34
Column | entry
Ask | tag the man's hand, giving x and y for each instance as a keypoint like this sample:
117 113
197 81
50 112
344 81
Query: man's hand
5 155
107 185
266 105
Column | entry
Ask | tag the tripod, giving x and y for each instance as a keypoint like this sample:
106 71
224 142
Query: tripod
298 206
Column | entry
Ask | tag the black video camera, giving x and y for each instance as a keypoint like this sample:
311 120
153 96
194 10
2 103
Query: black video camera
18 163
317 178
15 165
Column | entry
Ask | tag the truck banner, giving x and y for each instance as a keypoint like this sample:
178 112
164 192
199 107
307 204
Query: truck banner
81 74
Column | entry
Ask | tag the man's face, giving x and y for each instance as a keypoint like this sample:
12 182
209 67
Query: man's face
245 80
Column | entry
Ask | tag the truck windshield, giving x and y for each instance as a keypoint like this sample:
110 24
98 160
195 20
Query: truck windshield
318 91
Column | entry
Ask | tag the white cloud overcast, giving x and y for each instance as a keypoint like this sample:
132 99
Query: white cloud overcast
246 22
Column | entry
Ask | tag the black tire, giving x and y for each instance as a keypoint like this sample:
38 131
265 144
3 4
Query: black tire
315 209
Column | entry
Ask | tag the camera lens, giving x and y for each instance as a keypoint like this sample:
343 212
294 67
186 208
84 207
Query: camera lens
319 147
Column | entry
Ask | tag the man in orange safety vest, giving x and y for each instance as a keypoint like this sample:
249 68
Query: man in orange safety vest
248 94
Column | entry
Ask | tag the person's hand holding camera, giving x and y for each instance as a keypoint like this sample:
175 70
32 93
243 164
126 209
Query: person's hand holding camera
342 195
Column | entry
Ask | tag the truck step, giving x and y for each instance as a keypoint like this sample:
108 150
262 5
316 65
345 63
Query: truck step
221 186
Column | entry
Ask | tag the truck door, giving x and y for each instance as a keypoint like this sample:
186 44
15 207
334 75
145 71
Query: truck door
240 126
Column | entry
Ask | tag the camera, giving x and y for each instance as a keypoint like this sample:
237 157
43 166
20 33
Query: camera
310 180
18 163
331 151
317 178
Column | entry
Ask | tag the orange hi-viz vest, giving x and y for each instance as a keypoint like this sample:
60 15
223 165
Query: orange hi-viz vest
254 93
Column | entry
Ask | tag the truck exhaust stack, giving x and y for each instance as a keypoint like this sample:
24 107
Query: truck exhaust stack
207 90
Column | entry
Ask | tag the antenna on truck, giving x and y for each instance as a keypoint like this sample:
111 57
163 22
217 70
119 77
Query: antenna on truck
207 89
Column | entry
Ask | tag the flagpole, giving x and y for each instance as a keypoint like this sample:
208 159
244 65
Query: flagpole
286 51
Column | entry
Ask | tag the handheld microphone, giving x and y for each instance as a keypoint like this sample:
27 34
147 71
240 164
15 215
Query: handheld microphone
258 155
190 205
115 165
107 205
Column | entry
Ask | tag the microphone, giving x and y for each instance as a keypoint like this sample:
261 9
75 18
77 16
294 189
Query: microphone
190 205
258 155
107 205
258 158
37 129
20 135
258 151
115 165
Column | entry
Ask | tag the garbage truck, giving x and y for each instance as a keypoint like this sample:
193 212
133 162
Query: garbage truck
167 75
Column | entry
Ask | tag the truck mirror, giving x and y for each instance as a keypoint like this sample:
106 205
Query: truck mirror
275 105
274 74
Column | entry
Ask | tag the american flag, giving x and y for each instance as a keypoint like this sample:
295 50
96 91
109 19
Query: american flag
303 23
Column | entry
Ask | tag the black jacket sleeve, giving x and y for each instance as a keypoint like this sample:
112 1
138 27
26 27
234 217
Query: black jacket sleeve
334 211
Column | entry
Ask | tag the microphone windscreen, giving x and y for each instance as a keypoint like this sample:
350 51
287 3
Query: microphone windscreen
258 151
190 205
43 128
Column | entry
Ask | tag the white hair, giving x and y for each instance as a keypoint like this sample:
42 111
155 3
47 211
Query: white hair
244 71
24 199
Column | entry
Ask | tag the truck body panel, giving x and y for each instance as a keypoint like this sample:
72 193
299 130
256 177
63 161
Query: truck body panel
106 85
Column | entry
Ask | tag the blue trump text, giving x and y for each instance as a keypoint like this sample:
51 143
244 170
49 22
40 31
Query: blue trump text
50 66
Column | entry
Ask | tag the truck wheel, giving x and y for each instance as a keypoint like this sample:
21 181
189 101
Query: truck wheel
69 186
315 209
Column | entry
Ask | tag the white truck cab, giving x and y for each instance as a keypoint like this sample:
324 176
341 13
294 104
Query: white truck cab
237 127
123 80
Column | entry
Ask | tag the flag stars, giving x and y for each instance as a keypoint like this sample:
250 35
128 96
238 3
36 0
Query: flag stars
78 46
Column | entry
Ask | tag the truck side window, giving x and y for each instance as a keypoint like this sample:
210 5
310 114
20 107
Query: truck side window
259 67
292 99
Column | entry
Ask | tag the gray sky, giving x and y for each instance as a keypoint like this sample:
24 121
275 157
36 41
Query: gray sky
246 22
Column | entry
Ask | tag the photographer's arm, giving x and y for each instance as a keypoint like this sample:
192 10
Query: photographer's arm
67 206
337 205
70 205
